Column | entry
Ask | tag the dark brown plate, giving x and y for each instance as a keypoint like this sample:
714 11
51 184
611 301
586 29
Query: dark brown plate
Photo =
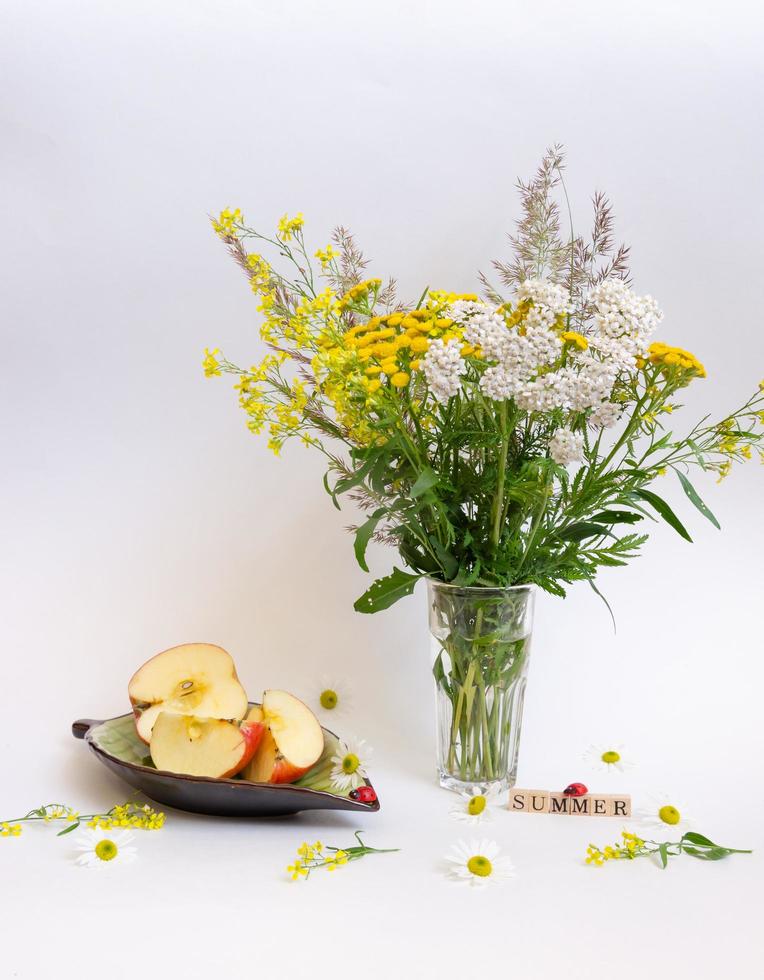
116 744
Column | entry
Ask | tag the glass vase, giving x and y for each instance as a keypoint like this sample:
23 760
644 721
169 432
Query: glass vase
480 643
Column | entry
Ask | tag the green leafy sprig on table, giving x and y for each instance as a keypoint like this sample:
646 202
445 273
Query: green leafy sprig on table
631 846
130 814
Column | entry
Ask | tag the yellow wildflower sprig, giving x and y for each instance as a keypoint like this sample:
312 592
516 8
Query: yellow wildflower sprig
139 816
630 846
313 856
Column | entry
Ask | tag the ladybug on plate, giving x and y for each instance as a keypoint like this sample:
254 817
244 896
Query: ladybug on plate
364 794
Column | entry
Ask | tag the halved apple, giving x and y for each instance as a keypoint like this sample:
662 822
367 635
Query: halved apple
291 744
191 679
203 746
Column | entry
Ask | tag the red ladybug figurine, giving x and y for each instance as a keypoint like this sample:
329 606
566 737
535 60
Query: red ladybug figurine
575 789
364 794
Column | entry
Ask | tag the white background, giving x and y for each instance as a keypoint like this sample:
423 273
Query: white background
138 512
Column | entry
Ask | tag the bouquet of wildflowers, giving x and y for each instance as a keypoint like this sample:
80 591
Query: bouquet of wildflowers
495 440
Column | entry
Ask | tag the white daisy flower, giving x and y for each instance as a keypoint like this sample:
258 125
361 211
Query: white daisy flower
349 764
607 758
478 863
666 812
332 698
101 846
474 807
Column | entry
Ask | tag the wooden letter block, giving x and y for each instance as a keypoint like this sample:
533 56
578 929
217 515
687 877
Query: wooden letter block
599 806
619 805
580 806
558 803
529 800
517 799
538 801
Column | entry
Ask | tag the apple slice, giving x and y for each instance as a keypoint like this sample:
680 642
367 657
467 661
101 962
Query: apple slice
203 746
191 679
291 744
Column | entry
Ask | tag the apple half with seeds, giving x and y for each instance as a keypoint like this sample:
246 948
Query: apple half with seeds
291 744
203 746
191 679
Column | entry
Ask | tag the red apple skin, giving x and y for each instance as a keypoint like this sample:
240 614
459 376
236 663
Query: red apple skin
253 732
252 735
285 772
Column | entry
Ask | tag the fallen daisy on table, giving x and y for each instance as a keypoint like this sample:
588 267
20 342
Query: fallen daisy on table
478 863
664 811
101 846
475 807
349 764
333 698
607 758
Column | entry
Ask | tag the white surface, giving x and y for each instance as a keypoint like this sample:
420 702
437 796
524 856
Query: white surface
137 511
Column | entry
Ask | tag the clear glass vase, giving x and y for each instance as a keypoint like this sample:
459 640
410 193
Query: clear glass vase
481 641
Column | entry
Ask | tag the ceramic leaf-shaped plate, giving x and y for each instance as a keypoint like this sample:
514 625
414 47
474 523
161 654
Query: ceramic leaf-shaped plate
116 744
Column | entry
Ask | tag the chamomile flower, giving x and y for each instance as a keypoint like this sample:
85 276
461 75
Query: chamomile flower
475 807
607 758
666 812
97 847
332 698
478 863
349 764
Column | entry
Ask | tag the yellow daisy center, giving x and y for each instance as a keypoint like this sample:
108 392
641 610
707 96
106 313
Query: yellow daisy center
350 763
328 699
479 866
476 805
106 850
669 814
610 757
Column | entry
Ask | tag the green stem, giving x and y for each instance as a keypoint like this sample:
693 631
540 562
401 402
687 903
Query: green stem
498 502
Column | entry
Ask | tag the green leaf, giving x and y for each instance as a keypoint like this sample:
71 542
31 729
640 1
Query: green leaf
69 829
363 536
597 591
616 517
425 481
665 511
385 591
348 482
692 493
663 854
712 854
449 564
698 455
331 492
439 673
694 838
584 529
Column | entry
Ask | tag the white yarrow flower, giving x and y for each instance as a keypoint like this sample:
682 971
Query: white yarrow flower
100 846
566 447
478 863
349 764
605 414
443 367
475 807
